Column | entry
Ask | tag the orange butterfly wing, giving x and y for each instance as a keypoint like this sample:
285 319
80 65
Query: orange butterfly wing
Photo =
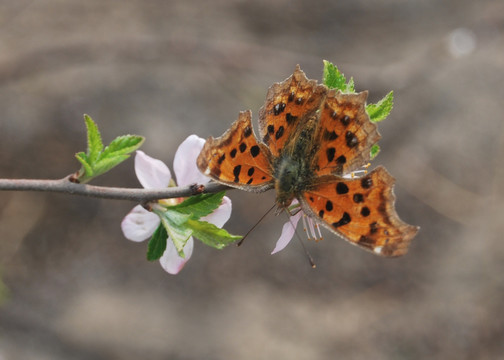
289 105
237 159
360 210
345 134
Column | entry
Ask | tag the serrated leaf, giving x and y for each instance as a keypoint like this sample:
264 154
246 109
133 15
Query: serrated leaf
157 244
176 225
350 86
332 77
210 234
85 163
375 149
123 145
200 205
379 111
94 142
108 163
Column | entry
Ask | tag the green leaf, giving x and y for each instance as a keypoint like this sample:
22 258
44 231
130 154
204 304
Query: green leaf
379 111
123 145
332 77
200 205
157 244
350 87
176 225
95 145
83 159
104 165
375 149
210 234
98 160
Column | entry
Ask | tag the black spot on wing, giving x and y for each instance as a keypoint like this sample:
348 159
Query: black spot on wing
345 219
254 150
278 108
351 139
279 132
236 173
290 119
341 188
358 198
247 132
366 182
341 160
330 152
329 135
345 120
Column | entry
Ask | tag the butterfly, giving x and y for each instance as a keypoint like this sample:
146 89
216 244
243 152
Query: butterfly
310 137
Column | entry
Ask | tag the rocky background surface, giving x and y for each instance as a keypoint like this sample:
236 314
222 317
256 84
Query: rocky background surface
168 69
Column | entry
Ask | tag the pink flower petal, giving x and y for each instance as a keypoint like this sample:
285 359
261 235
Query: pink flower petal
184 163
288 231
171 262
139 224
152 173
220 215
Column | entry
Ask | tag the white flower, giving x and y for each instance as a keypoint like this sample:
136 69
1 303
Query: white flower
140 224
289 229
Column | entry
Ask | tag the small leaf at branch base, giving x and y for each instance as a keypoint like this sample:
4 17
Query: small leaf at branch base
157 244
83 159
210 234
200 205
94 142
379 111
98 160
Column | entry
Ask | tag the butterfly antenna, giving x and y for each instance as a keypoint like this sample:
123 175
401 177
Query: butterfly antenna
307 253
253 227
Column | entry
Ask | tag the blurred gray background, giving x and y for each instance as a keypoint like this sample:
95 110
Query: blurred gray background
168 69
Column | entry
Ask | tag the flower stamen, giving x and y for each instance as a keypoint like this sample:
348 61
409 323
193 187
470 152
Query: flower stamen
305 227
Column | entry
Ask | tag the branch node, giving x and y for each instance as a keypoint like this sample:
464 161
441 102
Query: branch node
197 188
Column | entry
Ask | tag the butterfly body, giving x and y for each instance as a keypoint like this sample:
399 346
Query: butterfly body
310 138
293 168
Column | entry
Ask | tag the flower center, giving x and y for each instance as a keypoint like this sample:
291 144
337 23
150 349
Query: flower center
171 202
174 201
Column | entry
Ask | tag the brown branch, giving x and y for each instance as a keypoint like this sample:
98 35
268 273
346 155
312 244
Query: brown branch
139 195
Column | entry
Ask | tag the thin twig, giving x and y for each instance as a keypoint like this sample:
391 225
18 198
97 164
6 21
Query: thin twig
139 195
